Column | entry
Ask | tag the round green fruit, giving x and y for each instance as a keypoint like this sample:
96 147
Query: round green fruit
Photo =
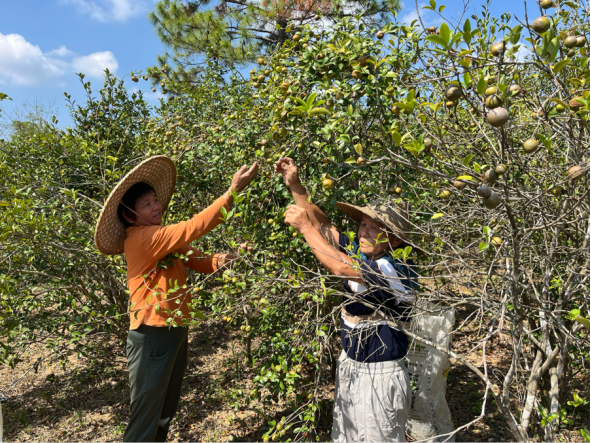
494 101
491 90
547 4
496 241
458 184
556 191
581 41
530 146
541 24
516 89
497 49
497 117
492 201
570 41
500 169
491 176
484 191
453 93
575 172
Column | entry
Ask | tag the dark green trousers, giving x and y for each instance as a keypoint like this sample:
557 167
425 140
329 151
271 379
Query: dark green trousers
157 358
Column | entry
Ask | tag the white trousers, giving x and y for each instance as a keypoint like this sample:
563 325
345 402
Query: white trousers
371 401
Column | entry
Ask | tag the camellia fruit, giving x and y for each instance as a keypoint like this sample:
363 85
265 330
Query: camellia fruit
500 169
492 201
530 146
380 34
575 173
453 93
361 161
491 176
559 108
541 24
491 90
556 191
496 241
581 41
356 74
494 101
396 110
327 183
261 61
497 117
515 89
547 4
484 191
445 194
458 184
497 49
574 104
570 41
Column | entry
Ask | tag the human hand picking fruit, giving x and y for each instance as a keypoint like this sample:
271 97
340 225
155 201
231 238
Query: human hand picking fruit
297 217
288 169
243 177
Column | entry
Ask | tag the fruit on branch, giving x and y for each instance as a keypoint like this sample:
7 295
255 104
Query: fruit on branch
530 146
491 176
541 24
261 61
547 4
296 38
395 110
362 60
497 49
458 184
261 78
496 242
556 191
484 191
515 88
581 41
570 41
500 169
571 53
494 101
559 108
134 79
445 194
497 117
356 74
491 90
328 184
575 172
453 93
361 161
428 145
492 201
574 104
380 35
449 104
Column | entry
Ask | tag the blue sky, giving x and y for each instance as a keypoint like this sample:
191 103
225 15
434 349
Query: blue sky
44 42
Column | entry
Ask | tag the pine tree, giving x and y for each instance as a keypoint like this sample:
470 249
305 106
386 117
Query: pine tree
236 32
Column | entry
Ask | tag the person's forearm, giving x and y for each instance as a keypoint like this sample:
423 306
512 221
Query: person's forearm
317 217
333 260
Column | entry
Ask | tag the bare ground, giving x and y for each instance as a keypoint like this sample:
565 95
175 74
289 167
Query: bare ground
89 401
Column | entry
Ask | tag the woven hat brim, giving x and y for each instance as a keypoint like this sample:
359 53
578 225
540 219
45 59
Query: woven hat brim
357 213
160 173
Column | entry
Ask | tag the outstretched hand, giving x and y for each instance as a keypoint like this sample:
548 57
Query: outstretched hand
288 169
243 177
297 218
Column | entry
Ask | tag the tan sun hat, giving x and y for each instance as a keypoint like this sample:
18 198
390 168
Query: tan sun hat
392 215
160 173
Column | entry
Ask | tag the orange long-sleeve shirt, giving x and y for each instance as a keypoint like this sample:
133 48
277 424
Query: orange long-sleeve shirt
145 246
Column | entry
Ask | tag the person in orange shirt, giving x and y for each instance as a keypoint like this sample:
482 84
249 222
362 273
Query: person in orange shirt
160 304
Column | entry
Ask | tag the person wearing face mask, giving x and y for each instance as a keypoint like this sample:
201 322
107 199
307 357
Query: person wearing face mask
372 387
157 257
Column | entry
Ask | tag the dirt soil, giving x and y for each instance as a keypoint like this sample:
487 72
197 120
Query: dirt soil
90 402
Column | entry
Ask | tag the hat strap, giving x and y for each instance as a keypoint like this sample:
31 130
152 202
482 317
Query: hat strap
146 220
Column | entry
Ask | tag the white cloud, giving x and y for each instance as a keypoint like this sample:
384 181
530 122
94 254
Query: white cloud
109 10
95 63
22 63
62 51
429 17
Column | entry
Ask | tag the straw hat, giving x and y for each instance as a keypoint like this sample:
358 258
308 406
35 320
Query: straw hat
395 217
160 173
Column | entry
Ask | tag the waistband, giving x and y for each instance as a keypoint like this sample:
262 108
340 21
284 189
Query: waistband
371 368
165 330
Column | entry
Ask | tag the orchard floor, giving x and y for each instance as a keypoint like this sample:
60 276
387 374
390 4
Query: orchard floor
86 402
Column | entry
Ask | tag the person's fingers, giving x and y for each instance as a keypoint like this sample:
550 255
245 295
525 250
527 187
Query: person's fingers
253 169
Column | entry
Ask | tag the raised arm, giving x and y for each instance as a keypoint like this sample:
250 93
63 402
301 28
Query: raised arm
288 169
161 240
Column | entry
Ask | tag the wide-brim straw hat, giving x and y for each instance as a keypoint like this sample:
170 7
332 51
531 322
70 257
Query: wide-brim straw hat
160 173
394 216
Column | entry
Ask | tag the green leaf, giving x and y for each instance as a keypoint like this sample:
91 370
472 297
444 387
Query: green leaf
481 86
438 40
397 138
318 111
466 177
584 433
486 230
583 321
200 315
467 26
445 33
435 216
482 246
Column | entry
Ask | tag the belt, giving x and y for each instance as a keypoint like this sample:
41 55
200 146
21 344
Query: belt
375 316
